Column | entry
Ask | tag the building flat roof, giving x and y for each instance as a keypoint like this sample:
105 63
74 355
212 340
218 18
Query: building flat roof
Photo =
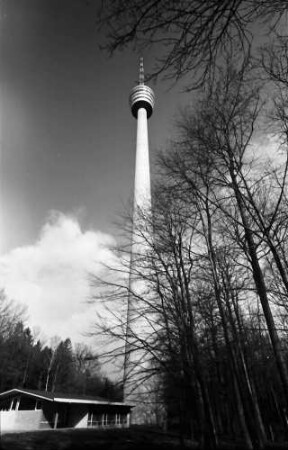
63 398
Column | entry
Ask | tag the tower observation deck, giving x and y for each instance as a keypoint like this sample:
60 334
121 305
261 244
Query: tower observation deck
141 96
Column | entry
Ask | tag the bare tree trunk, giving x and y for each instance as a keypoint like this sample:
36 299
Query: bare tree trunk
241 414
253 400
261 289
257 434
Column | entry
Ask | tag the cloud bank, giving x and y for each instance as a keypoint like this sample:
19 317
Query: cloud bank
51 277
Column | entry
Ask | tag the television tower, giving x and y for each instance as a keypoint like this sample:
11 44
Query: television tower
141 102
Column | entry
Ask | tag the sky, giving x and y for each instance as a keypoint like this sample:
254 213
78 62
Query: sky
67 156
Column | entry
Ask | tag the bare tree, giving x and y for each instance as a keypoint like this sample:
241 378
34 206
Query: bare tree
216 251
190 35
221 133
11 314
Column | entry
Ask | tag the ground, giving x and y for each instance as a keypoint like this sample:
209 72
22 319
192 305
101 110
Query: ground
141 438
72 439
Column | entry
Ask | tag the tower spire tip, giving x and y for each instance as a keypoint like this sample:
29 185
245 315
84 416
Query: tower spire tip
141 71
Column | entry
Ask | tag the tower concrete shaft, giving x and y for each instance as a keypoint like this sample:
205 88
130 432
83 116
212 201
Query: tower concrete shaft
141 101
142 184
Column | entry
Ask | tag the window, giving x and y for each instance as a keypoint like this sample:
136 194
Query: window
111 419
104 419
121 419
94 419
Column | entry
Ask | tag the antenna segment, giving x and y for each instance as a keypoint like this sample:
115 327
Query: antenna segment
141 71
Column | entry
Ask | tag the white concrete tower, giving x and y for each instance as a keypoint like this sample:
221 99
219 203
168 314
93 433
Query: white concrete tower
141 102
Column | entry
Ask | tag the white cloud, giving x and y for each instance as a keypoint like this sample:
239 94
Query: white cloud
51 276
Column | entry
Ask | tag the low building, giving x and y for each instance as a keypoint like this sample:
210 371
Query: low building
26 410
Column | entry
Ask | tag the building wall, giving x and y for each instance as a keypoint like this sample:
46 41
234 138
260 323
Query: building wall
22 421
61 415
